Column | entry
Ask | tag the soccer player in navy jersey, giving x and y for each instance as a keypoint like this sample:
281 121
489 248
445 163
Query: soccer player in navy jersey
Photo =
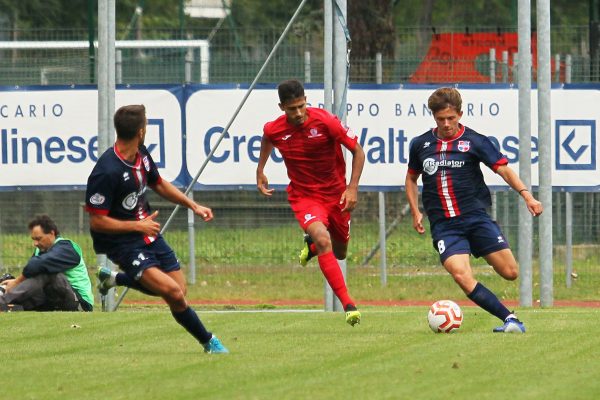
124 228
455 198
310 140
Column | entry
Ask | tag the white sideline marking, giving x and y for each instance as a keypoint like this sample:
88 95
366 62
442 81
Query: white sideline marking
258 311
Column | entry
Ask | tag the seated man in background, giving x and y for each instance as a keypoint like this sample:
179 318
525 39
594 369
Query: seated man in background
55 277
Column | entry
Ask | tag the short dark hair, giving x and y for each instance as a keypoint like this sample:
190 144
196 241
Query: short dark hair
443 98
290 90
129 120
44 222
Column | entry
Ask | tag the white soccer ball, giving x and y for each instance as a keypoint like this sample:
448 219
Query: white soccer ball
444 316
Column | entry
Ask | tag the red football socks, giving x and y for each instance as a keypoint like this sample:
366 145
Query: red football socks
333 274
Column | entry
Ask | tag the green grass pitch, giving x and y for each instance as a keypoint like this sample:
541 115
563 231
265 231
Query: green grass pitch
144 354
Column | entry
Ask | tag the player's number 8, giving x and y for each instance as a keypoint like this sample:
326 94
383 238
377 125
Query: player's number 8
441 246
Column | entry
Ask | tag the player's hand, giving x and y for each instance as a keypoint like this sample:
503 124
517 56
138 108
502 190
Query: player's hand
203 212
418 223
534 206
148 226
262 183
9 284
349 199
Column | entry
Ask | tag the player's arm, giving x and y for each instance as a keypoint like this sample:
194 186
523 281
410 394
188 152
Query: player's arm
534 206
412 195
350 195
105 224
168 191
60 257
262 183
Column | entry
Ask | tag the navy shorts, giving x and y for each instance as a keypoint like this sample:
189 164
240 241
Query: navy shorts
135 260
473 233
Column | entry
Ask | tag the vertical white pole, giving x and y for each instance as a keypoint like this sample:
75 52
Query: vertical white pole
568 204
505 66
492 65
569 238
119 66
545 154
340 71
189 61
106 100
524 81
191 242
328 99
382 238
204 63
307 67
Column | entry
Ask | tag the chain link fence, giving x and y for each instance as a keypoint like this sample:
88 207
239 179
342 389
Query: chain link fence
236 56
252 236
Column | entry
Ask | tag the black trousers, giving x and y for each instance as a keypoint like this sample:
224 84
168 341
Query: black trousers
44 292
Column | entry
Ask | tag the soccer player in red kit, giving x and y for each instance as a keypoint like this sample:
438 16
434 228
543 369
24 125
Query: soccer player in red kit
310 140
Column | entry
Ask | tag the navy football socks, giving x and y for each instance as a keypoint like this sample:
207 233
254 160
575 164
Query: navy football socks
487 300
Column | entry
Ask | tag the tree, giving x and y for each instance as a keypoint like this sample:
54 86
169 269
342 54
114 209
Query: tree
372 31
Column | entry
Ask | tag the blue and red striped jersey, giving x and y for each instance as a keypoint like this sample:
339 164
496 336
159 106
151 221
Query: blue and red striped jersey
117 188
453 183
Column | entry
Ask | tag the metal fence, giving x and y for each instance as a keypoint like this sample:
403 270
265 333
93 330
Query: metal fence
252 235
236 55
227 249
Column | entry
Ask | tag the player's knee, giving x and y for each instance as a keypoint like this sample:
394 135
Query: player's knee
184 290
323 243
174 295
340 254
465 281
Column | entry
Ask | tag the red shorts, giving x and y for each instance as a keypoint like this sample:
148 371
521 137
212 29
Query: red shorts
329 213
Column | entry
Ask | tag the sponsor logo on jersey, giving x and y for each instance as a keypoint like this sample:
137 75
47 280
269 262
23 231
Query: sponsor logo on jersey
97 199
426 145
130 201
430 166
146 163
464 145
286 137
125 176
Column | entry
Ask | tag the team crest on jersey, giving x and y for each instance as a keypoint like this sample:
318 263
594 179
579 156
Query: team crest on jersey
314 133
146 163
464 145
130 201
97 199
